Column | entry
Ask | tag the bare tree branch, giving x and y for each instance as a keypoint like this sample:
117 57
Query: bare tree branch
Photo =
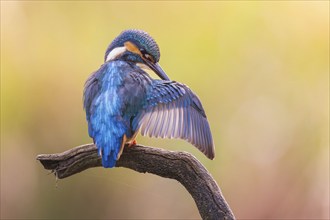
181 166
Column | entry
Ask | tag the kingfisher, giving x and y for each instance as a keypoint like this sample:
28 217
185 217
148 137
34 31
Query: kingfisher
121 99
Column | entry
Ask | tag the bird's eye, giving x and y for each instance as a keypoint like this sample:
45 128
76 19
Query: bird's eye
143 51
147 56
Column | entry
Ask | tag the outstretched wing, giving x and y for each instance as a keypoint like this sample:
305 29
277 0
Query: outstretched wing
172 110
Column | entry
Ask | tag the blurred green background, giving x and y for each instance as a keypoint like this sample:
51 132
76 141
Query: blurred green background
261 70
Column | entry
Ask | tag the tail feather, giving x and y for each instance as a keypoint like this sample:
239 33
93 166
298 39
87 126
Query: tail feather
109 161
107 132
108 149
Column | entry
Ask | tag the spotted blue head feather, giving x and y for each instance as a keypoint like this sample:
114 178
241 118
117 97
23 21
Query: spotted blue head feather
140 38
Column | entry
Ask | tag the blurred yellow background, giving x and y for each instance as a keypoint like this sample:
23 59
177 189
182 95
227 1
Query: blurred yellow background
260 68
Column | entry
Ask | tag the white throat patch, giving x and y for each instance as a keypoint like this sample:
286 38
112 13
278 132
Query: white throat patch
115 53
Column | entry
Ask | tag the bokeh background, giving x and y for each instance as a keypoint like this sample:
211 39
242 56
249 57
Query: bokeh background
261 69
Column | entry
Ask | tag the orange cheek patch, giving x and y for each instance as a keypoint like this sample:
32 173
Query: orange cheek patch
132 47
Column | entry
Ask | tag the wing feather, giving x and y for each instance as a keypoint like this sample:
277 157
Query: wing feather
156 129
172 110
178 130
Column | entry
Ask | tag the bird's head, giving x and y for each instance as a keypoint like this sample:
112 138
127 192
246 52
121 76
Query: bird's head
136 46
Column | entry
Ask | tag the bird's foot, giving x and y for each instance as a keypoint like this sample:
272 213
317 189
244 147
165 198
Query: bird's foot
132 143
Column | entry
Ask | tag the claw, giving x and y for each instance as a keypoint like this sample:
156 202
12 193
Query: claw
132 143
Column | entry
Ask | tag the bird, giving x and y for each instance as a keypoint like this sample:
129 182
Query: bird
121 99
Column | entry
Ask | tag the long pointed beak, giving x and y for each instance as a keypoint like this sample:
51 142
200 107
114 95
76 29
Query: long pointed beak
158 70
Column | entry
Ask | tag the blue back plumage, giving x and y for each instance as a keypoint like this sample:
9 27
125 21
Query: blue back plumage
110 108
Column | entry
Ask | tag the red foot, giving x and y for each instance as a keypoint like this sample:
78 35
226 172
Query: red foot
132 144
